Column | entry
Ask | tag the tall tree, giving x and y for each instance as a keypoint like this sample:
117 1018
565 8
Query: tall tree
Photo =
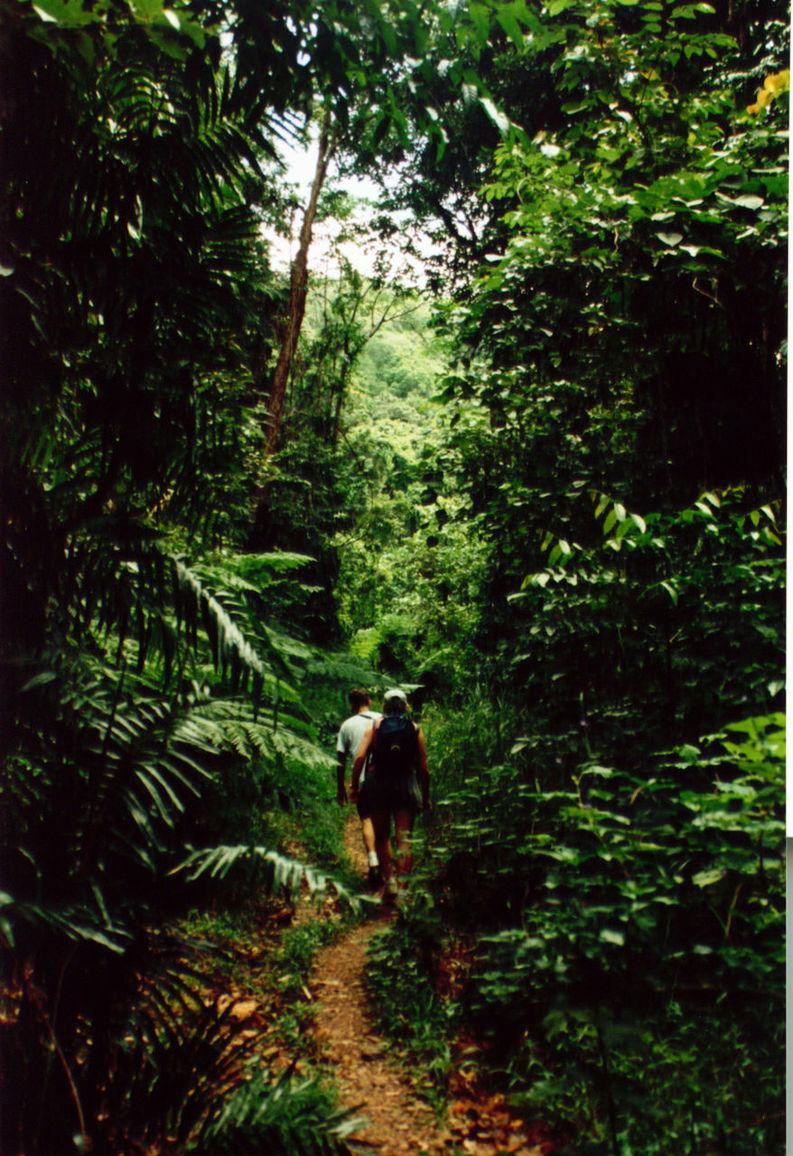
298 287
375 81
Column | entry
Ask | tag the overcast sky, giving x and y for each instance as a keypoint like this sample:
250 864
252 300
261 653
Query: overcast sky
301 167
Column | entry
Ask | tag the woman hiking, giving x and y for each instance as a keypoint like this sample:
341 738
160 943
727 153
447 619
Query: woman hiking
397 784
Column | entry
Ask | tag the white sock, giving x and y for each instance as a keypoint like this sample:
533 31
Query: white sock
373 861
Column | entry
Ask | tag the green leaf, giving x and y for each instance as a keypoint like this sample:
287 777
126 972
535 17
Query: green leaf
609 935
689 754
510 25
66 13
499 119
147 10
670 589
480 16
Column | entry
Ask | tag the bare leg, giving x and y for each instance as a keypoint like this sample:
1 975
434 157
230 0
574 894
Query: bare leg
367 830
403 828
374 874
381 824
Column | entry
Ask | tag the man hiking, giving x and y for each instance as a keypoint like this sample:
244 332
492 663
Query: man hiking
348 741
397 785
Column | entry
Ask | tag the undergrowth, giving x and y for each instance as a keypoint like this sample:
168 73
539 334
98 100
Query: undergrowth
402 974
626 984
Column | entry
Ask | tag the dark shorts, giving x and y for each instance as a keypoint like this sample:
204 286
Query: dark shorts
381 795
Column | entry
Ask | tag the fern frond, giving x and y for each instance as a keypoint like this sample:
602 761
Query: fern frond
282 735
250 573
344 669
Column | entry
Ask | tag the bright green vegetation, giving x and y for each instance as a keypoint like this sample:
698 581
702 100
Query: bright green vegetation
547 492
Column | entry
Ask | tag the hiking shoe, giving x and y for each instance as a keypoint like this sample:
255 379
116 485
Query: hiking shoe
375 878
391 893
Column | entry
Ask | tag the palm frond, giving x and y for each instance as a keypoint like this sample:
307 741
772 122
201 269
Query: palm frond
79 924
287 1117
345 669
231 651
277 872
135 757
171 1077
133 269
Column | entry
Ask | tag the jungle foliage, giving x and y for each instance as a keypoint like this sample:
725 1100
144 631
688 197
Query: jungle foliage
152 717
619 392
556 509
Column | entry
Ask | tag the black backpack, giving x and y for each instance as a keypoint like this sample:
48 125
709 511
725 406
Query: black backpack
395 745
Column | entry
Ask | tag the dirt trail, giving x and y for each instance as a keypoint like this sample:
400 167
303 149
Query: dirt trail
396 1121
368 1081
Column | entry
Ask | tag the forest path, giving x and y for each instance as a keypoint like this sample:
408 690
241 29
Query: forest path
369 1083
395 1121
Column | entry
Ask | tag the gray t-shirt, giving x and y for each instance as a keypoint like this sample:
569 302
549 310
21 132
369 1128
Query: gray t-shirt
352 730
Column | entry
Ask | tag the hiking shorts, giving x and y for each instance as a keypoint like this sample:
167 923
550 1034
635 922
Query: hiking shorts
381 794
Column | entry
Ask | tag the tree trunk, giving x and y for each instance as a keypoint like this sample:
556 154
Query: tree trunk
298 291
289 334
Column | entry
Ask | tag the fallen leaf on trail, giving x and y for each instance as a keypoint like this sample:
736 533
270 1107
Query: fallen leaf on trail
244 1008
460 1107
477 1149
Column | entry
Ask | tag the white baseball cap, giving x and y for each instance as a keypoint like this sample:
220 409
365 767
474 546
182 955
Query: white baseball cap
395 693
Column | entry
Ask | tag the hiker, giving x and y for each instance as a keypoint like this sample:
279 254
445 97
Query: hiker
397 784
351 733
